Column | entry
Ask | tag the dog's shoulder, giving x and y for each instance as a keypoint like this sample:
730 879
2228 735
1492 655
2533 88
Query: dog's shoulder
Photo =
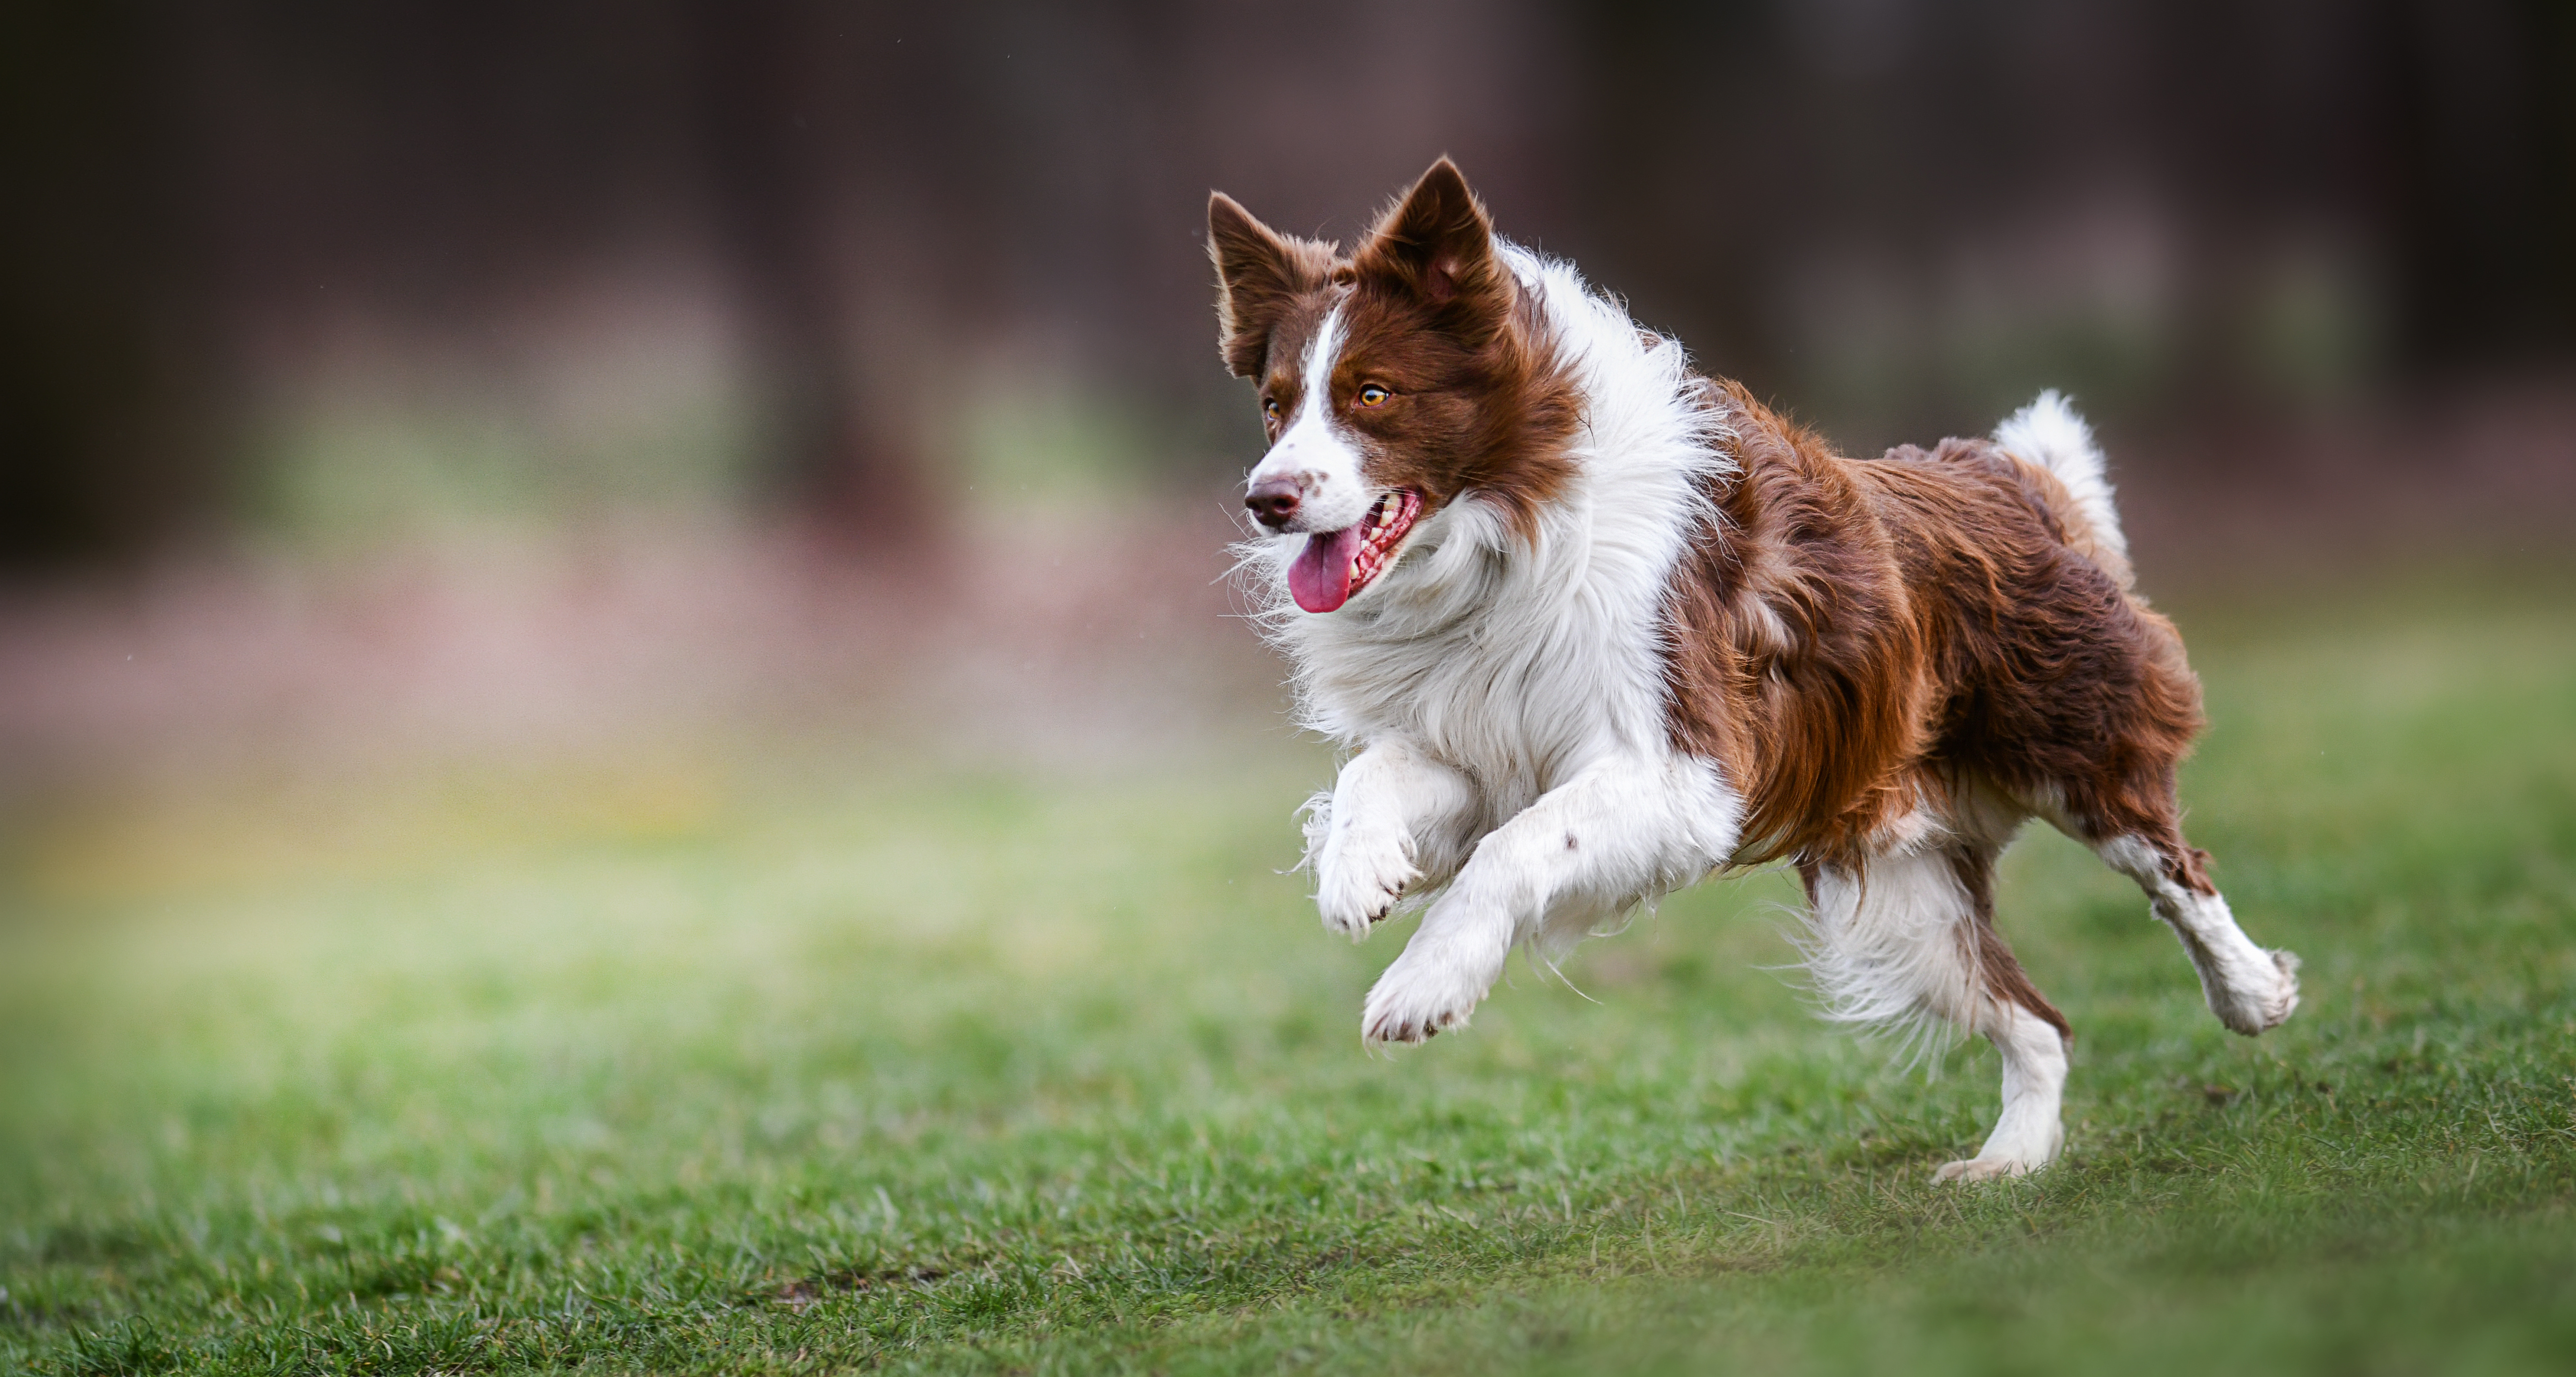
1793 659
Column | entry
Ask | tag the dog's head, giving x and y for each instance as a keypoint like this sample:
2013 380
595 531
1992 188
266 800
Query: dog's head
1409 376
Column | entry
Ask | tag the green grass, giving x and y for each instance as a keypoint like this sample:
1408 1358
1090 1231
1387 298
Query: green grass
705 1064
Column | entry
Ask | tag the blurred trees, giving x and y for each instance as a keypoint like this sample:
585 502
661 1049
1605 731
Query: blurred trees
108 389
1892 212
2189 203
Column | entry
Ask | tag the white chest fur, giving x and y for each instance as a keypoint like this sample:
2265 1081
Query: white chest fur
1520 663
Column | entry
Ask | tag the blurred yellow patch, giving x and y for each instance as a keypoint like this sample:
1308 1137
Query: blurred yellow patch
190 839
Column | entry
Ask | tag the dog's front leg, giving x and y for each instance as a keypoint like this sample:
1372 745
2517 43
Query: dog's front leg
1620 832
1387 823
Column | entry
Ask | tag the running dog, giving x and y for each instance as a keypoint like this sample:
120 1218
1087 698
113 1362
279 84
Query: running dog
1595 626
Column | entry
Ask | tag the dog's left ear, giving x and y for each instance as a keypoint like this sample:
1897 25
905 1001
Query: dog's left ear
1438 245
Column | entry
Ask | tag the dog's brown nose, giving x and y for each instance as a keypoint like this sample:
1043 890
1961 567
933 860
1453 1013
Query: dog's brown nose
1274 500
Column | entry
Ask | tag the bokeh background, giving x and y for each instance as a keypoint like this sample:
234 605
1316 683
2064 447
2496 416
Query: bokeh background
420 377
617 676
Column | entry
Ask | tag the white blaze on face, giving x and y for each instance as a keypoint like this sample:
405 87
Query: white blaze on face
1314 452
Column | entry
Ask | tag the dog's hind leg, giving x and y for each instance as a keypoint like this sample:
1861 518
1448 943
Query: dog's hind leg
2250 989
1907 940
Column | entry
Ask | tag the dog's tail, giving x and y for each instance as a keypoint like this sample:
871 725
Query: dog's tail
2049 436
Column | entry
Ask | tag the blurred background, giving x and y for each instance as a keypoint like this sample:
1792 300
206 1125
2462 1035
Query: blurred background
411 381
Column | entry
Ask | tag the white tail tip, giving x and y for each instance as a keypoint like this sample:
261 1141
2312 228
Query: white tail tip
2049 433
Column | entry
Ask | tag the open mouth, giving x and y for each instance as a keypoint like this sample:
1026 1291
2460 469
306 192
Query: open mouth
1337 564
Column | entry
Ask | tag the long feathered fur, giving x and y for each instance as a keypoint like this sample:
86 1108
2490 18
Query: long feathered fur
1523 658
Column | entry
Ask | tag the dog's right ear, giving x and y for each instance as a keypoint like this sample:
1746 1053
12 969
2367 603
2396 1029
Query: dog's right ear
1259 272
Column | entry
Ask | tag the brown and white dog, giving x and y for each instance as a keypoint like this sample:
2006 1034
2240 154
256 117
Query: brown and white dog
1597 627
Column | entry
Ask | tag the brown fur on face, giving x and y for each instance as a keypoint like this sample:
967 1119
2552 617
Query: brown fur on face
1858 636
1430 312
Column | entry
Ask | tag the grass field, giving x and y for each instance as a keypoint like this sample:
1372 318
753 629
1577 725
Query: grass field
817 1059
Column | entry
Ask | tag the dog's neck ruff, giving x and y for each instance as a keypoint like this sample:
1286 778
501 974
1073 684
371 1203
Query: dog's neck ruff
1521 660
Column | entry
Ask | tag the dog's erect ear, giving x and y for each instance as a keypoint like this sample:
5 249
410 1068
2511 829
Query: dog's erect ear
1438 244
1259 271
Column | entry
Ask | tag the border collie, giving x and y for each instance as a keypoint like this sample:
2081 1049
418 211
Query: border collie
1595 626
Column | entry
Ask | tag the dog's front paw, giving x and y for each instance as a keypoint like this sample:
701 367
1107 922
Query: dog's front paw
1416 999
1358 879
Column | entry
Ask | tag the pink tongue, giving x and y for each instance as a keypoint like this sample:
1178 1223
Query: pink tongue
1321 577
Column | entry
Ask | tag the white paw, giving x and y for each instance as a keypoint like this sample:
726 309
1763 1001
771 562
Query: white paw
1985 1169
1358 878
2261 999
1417 998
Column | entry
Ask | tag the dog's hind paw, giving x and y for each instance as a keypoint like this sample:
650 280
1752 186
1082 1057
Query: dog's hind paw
1984 1169
2263 1002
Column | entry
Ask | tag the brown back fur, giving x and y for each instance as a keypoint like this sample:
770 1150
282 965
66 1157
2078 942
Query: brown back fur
1858 636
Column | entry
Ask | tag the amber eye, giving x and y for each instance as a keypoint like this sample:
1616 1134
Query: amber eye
1374 395
1270 407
